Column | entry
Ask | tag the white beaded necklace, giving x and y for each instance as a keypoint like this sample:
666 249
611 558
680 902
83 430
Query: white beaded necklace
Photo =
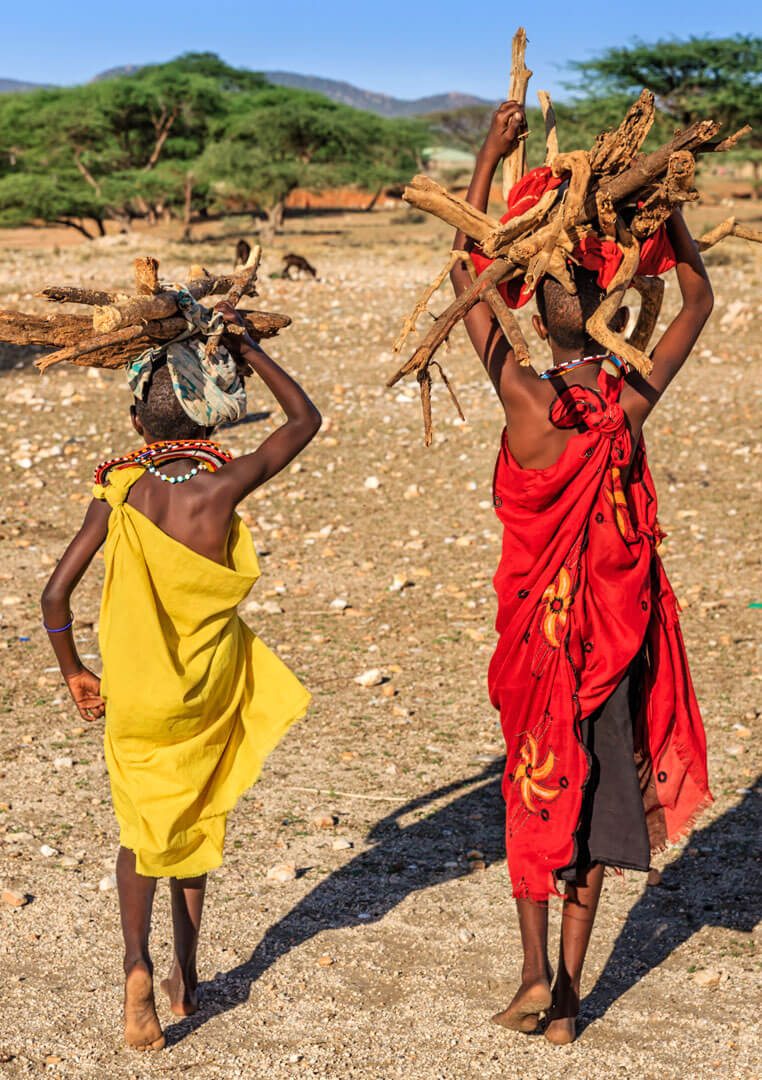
172 479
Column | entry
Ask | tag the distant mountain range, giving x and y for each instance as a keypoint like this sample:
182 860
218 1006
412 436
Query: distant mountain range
383 104
346 93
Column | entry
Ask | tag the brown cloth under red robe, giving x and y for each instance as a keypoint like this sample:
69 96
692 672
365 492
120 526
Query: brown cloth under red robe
581 590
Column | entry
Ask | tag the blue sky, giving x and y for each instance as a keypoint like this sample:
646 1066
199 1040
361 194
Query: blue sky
403 49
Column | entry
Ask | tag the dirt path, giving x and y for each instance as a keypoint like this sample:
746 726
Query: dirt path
386 956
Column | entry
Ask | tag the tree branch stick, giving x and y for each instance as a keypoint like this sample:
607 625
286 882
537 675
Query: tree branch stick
551 131
514 164
425 194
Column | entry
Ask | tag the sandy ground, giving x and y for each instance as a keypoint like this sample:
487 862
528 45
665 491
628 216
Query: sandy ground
386 956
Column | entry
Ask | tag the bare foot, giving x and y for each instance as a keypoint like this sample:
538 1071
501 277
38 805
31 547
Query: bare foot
562 1016
523 1013
182 993
142 1029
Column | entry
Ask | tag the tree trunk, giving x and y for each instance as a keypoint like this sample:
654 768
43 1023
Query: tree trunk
274 220
78 225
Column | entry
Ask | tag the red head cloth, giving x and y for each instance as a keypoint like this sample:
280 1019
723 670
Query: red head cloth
603 256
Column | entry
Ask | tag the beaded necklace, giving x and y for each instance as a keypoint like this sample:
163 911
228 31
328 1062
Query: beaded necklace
583 361
206 455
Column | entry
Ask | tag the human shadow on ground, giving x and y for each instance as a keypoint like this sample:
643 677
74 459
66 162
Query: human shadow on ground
406 857
714 882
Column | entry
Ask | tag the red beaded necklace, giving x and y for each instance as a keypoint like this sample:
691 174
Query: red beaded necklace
209 455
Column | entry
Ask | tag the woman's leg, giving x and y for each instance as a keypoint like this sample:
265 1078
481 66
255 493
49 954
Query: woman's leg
141 1024
580 905
181 986
533 996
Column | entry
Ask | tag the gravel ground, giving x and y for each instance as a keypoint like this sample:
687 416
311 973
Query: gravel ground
387 953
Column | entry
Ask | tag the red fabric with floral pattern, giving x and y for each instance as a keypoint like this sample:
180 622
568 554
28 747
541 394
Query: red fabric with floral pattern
580 589
603 256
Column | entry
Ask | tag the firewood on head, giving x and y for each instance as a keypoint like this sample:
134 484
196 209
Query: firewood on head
426 194
675 189
615 150
514 163
551 131
597 326
147 275
651 291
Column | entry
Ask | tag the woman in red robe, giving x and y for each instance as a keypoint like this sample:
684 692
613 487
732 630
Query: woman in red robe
605 749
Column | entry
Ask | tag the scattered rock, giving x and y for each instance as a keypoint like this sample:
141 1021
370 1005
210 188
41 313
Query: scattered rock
324 821
400 582
341 844
708 978
63 762
14 898
325 960
465 935
372 483
69 861
282 872
372 677
48 851
339 604
107 883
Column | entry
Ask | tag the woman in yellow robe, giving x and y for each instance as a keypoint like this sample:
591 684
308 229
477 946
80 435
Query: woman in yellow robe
193 700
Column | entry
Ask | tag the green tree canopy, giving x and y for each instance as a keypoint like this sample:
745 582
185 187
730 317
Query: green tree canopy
700 77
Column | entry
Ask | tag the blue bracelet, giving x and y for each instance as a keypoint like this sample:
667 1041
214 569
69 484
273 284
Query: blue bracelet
60 629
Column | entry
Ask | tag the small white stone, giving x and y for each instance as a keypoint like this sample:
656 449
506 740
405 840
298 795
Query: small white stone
63 762
47 851
465 935
107 883
282 872
400 582
371 677
708 978
372 483
341 844
339 604
272 607
69 861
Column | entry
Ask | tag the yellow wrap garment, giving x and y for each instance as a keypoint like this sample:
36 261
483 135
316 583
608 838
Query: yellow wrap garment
194 700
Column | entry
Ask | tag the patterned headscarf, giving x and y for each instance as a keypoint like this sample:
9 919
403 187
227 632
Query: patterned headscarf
209 388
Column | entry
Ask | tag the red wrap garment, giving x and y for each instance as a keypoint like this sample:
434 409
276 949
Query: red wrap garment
580 591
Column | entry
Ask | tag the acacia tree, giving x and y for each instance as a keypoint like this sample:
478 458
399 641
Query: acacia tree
717 77
278 139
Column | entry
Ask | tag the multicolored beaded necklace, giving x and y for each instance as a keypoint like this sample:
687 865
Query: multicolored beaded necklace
206 455
583 361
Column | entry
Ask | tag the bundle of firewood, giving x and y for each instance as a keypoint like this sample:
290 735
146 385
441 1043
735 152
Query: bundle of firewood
613 191
122 326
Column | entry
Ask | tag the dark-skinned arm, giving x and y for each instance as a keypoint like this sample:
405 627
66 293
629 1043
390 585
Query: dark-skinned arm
641 393
84 685
248 472
511 380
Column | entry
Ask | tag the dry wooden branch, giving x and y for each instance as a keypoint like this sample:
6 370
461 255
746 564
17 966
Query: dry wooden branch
615 150
651 291
674 189
499 270
71 294
551 132
729 227
597 325
509 324
22 328
514 163
426 194
500 239
147 275
124 336
422 303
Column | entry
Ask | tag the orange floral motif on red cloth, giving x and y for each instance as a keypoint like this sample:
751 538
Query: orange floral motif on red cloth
618 500
557 599
529 773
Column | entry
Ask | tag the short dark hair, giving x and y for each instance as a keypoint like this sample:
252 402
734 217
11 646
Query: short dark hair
160 411
564 315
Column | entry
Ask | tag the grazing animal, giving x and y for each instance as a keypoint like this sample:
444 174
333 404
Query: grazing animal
242 252
298 263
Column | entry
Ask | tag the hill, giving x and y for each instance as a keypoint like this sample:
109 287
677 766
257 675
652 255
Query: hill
382 104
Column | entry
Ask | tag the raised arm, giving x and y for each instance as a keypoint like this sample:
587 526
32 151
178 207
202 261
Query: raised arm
642 393
83 685
303 420
508 376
